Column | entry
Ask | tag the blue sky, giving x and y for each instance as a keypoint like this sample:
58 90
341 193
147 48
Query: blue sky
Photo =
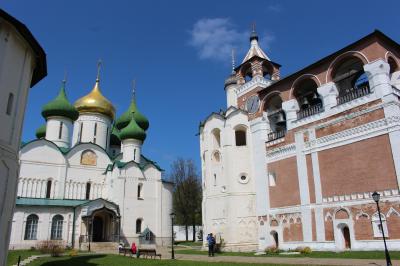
179 52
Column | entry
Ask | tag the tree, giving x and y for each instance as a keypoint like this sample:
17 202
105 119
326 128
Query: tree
187 194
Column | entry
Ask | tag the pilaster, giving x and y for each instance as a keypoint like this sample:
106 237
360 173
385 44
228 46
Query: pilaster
303 187
290 108
329 94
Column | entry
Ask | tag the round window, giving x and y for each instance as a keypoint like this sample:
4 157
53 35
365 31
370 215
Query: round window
243 178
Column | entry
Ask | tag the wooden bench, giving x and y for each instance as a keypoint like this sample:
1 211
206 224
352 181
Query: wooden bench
145 253
124 250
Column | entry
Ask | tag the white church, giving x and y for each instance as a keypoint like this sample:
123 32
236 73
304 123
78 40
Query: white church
84 179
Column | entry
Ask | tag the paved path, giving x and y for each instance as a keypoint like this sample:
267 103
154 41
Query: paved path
293 261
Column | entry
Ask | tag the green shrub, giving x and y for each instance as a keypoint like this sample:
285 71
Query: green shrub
272 250
304 250
53 247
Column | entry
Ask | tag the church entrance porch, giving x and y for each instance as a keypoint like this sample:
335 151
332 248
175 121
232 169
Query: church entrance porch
100 222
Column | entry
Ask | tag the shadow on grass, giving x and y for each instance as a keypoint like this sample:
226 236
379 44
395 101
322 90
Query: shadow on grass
84 260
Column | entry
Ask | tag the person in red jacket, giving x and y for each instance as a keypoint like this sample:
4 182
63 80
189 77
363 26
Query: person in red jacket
133 248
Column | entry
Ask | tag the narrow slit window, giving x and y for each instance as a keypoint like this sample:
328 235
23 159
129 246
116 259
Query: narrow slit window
88 185
10 104
48 189
60 130
134 154
95 129
80 133
215 179
107 138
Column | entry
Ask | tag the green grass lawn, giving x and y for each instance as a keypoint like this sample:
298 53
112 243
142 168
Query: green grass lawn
13 255
189 243
316 254
115 260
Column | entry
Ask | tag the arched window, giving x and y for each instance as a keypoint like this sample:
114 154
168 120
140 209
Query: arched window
307 96
138 226
240 136
48 189
267 70
276 116
216 138
31 227
10 102
216 158
139 191
88 186
350 79
246 72
57 227
377 227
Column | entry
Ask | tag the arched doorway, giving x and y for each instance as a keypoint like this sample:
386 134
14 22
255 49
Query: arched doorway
98 229
346 237
274 235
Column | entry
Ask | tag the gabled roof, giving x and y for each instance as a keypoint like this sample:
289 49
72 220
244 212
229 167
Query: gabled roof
40 70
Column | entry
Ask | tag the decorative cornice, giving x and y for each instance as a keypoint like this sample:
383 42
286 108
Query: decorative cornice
364 129
255 81
359 196
281 152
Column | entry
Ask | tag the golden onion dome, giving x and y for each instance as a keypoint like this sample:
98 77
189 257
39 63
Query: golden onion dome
95 102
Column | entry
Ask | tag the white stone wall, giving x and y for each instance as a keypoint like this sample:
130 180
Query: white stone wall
45 215
17 62
53 131
87 122
228 201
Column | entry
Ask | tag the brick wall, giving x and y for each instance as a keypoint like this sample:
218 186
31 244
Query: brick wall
358 167
286 192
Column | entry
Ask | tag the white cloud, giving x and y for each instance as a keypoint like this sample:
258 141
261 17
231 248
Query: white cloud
275 8
214 39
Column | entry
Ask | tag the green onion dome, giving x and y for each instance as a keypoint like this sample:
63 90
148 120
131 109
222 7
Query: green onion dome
124 119
60 106
132 130
41 132
114 137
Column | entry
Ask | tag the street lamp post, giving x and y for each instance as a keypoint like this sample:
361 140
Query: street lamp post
172 235
376 196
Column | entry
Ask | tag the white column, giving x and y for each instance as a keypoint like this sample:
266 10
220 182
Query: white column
259 132
318 211
291 108
378 77
329 94
34 187
303 187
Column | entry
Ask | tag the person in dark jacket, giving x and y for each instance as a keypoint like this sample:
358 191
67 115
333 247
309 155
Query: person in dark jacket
211 244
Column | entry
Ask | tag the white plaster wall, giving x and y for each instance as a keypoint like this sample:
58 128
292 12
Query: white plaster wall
229 205
131 150
16 65
45 215
53 128
88 120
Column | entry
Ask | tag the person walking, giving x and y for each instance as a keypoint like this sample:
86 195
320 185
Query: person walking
211 243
